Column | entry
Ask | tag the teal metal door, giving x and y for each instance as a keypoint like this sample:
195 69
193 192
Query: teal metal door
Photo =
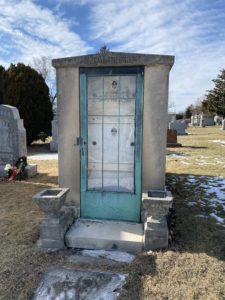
111 104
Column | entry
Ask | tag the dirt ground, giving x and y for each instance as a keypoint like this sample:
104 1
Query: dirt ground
192 268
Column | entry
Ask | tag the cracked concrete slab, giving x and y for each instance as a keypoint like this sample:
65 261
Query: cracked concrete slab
68 284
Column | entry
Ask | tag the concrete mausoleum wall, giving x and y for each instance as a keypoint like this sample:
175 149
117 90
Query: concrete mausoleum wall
156 78
68 130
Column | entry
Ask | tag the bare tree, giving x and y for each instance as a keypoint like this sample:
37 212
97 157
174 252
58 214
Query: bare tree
43 66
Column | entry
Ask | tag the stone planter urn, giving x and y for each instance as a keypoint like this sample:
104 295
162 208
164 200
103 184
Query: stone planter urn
50 201
57 218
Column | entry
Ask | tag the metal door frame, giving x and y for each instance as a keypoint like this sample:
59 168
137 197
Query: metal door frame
116 198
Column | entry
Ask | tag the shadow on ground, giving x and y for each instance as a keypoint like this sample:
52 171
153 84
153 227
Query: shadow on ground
38 148
195 230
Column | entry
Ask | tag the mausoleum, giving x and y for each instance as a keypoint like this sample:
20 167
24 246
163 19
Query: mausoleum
112 128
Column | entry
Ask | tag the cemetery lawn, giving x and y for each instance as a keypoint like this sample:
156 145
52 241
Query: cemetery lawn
192 268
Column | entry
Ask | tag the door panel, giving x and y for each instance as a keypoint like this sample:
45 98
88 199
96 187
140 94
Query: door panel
110 103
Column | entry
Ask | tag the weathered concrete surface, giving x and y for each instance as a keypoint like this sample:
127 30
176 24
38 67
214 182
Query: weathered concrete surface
31 170
12 136
68 284
100 255
50 201
99 234
156 77
53 229
156 234
112 255
68 131
89 260
114 59
156 80
54 141
57 219
156 207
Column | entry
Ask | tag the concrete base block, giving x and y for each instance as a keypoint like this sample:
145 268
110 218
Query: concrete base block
155 204
50 245
53 146
155 234
108 235
53 229
31 170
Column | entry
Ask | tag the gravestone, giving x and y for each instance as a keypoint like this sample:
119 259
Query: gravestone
218 120
195 120
172 138
54 142
202 120
12 136
12 139
179 126
171 117
223 125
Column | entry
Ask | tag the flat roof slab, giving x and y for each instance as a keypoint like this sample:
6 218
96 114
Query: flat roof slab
114 59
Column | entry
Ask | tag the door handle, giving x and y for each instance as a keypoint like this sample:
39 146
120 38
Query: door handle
79 142
132 143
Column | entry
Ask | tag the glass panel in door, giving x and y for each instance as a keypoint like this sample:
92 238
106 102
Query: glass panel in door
111 133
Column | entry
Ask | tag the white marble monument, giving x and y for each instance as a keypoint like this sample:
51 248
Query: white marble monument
12 139
54 142
12 136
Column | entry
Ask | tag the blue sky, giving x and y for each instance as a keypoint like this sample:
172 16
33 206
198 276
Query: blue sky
192 30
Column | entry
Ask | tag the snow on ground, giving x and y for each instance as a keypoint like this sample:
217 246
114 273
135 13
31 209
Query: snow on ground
113 255
195 160
213 188
176 155
217 141
43 156
63 284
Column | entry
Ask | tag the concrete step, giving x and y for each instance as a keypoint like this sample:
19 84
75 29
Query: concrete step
102 234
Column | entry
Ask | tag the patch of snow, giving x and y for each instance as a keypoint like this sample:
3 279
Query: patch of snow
176 155
191 179
214 189
218 219
118 256
43 156
217 141
185 162
202 162
68 284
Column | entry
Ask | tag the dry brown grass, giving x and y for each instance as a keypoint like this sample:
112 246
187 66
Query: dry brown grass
193 267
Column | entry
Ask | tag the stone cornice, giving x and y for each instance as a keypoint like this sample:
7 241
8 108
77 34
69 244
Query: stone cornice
114 59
